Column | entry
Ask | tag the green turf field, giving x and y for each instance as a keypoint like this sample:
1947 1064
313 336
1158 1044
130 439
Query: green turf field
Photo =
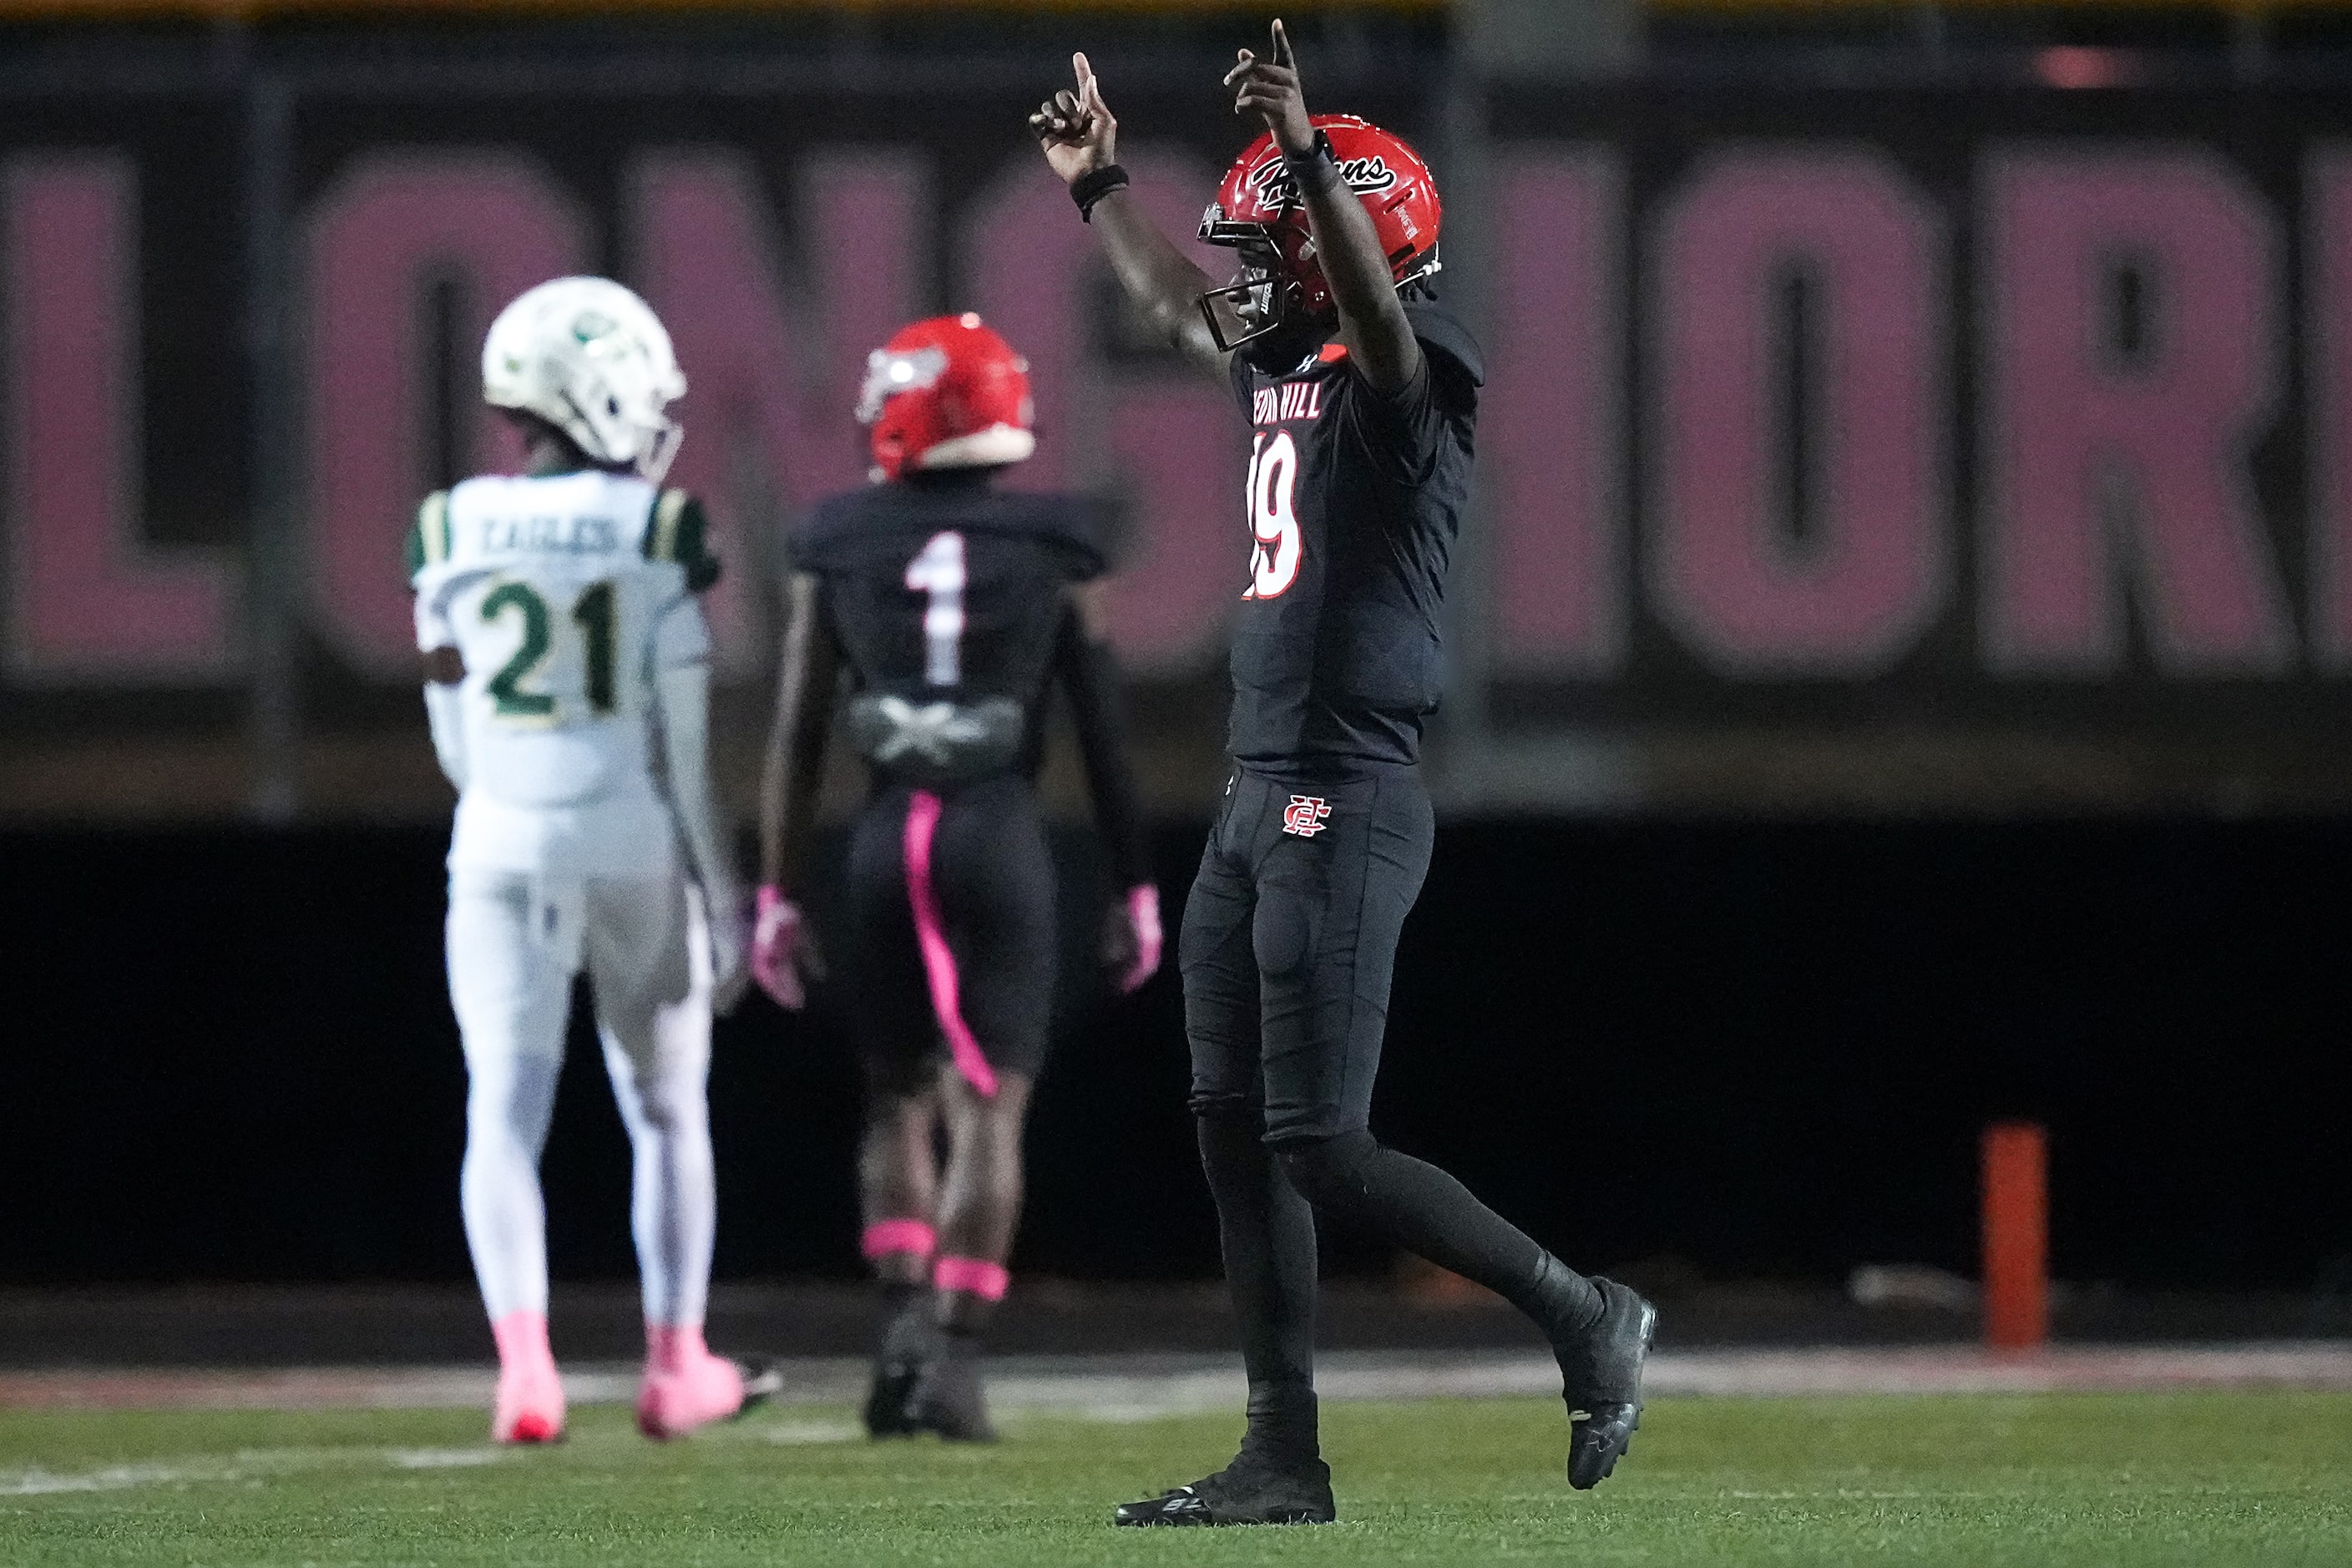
2203 1479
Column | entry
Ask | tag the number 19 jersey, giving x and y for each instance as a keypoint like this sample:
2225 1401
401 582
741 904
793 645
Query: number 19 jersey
1355 498
564 595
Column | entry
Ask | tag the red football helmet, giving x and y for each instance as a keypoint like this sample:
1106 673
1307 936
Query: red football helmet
1258 211
946 393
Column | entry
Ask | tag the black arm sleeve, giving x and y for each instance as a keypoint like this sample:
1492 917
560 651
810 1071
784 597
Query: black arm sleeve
1089 674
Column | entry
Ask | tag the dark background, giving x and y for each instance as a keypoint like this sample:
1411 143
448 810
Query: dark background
1749 1050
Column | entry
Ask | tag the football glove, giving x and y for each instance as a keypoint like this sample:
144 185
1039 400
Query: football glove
780 947
1132 947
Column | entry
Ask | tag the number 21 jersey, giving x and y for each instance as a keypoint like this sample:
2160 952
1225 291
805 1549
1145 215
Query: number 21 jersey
1354 500
564 595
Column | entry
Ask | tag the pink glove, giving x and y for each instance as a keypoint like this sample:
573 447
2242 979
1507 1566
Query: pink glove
1143 918
776 943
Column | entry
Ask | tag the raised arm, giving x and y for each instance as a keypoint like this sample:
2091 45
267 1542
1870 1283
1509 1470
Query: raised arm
1372 321
1080 139
788 790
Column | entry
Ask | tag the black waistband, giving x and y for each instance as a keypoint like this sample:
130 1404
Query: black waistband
1324 770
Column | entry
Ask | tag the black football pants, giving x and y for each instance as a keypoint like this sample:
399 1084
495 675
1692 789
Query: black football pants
993 885
1288 941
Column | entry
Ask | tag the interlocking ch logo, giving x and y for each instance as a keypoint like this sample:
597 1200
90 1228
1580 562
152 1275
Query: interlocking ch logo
1305 813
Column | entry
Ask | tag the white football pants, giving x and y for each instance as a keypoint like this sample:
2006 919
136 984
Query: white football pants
515 943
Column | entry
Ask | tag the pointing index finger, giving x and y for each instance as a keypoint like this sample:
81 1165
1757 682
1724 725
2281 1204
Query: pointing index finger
1282 55
1089 85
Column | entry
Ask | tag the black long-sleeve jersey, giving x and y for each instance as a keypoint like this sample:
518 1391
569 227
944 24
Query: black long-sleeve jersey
1355 498
953 593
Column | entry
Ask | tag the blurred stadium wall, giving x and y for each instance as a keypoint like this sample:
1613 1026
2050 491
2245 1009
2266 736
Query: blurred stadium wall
1937 417
1873 428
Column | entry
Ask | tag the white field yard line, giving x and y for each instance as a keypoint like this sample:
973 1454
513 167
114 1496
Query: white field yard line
247 1464
1142 1387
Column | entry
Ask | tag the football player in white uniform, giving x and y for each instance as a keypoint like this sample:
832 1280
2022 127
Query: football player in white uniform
567 679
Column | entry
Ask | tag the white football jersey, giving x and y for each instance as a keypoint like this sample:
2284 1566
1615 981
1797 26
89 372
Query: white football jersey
563 595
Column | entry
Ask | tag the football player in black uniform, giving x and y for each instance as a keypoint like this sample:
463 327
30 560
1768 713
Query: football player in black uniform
955 609
1361 394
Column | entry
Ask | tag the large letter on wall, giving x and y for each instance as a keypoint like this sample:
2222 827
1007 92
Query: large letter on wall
386 231
2130 313
1178 441
1549 437
88 600
1847 587
2327 266
771 393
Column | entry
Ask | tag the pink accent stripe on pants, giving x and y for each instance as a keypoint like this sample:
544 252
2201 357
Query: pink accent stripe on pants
938 963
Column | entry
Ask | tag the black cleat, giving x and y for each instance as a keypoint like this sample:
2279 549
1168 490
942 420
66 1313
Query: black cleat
946 1397
1240 1494
907 1344
1600 1378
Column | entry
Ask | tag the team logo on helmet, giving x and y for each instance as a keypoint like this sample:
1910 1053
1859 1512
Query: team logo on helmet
1272 182
888 374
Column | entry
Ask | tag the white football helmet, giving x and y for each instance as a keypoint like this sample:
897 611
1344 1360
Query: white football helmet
592 359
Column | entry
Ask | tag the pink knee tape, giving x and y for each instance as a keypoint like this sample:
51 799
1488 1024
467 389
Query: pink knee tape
987 1281
885 1236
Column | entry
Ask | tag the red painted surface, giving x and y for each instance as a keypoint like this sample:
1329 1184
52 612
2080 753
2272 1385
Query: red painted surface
2016 1236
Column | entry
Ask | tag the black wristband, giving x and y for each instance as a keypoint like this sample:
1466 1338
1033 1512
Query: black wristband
1093 185
1314 171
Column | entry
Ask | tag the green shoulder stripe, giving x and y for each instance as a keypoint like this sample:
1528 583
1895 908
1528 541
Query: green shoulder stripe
677 533
428 540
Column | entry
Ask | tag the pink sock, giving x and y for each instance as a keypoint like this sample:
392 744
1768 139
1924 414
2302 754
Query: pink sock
987 1281
523 1341
886 1237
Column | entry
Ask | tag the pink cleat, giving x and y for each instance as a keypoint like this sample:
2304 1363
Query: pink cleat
685 1386
531 1395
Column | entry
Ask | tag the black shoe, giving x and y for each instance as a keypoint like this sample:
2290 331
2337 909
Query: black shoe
1242 1494
946 1397
1600 1378
907 1344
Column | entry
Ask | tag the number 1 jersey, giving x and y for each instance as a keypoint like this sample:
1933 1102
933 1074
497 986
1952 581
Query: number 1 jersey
1354 500
564 594
951 591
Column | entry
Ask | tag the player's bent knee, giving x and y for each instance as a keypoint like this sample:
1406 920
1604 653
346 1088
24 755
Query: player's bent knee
1325 1168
